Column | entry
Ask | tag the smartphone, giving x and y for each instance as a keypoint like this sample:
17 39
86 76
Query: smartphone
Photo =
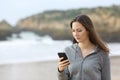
62 54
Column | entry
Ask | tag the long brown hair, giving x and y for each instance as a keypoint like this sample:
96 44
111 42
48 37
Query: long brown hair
93 37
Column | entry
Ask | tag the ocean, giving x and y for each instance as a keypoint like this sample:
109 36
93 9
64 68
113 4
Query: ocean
31 47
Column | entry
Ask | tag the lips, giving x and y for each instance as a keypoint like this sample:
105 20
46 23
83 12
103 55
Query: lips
77 38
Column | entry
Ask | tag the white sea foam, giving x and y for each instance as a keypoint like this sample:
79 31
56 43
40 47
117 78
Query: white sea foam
28 48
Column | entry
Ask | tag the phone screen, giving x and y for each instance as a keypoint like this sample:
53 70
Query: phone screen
62 54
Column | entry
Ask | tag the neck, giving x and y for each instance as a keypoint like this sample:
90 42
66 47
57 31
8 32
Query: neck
85 45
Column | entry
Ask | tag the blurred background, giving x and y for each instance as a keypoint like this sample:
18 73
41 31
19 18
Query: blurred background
33 31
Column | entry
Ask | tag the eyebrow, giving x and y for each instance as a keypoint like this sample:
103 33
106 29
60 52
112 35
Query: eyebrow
77 29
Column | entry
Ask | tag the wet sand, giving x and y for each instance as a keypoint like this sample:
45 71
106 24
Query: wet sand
46 70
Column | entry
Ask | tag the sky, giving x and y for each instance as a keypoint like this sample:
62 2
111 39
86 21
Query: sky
14 10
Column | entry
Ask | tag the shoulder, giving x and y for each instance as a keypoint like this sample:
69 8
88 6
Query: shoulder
70 50
71 47
103 53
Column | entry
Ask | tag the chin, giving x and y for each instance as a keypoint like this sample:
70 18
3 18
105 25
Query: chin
79 40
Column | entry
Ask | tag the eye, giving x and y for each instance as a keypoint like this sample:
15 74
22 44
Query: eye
73 30
79 30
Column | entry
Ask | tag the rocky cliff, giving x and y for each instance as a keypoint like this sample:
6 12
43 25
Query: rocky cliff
56 22
103 17
5 30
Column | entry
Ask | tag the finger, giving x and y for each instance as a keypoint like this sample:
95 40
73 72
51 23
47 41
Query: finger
64 61
60 59
65 64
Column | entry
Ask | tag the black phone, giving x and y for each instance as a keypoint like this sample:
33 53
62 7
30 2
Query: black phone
62 54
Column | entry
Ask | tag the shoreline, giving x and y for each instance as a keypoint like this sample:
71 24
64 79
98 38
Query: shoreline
48 60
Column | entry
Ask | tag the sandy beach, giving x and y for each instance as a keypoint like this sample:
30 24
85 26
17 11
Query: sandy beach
46 70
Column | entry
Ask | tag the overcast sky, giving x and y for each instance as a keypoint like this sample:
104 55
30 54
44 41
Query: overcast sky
13 10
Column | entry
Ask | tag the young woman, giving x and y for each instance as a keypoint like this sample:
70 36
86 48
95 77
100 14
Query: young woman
88 57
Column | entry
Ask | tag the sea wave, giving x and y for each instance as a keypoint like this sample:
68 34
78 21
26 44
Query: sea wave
24 49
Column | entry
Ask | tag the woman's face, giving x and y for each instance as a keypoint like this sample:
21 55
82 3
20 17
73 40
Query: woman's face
79 32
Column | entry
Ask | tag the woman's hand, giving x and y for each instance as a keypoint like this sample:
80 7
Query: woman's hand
62 64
